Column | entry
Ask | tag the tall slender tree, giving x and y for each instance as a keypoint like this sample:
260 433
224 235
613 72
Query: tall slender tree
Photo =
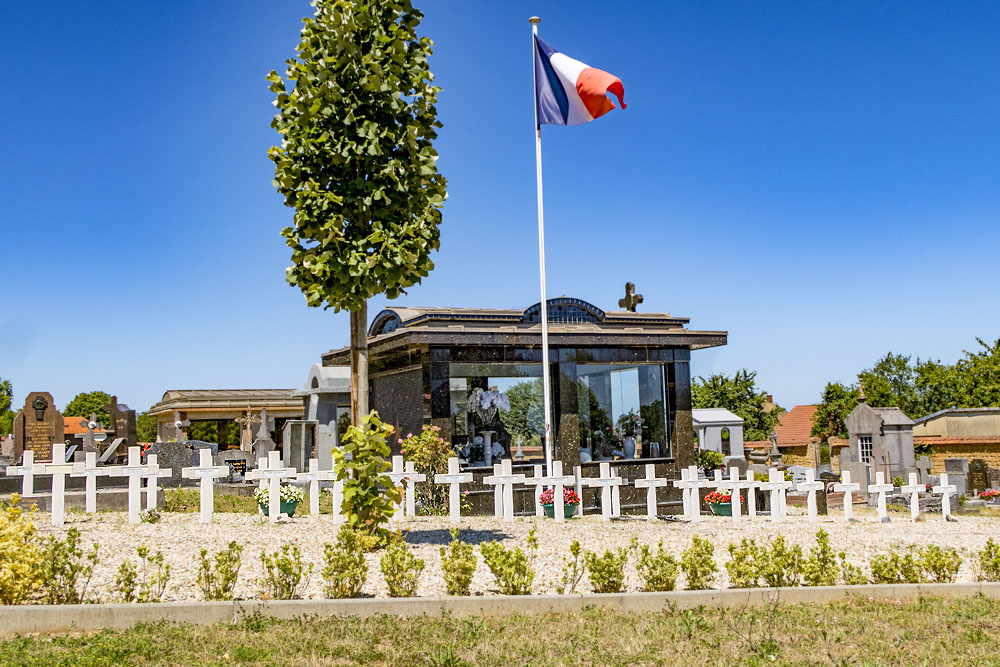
356 117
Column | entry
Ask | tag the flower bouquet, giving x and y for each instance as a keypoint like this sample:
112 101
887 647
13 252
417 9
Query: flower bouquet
720 502
289 497
989 495
570 501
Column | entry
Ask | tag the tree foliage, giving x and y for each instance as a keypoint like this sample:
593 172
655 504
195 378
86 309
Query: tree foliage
6 414
145 427
361 463
526 417
88 403
356 161
836 404
740 395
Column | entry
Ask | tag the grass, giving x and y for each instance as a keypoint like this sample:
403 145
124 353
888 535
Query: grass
859 631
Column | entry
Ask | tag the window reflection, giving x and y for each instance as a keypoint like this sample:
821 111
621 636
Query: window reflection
610 397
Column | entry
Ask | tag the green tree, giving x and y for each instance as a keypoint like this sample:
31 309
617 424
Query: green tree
145 427
740 395
891 382
526 417
836 403
356 161
979 376
6 414
88 403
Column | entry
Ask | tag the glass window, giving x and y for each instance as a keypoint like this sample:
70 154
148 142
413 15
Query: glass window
865 447
610 396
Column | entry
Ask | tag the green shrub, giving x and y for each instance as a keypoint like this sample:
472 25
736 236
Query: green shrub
345 570
572 570
698 564
657 571
285 575
218 581
361 463
940 565
820 568
20 554
988 562
897 481
512 568
781 565
429 453
65 569
744 564
709 460
458 562
145 583
896 568
401 569
607 571
850 574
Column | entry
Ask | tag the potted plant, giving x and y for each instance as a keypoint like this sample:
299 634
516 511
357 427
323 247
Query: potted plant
989 495
628 428
721 503
708 460
570 501
289 498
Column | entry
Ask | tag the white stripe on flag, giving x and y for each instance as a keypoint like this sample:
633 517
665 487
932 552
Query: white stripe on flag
568 70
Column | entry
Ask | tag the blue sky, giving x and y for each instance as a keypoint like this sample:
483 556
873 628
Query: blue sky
820 180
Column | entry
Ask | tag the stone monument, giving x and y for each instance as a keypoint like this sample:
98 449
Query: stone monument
37 426
958 474
978 477
122 423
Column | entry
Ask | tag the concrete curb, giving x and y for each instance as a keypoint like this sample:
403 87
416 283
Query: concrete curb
48 619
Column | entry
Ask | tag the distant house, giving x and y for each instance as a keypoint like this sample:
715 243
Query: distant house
887 429
795 442
970 433
718 430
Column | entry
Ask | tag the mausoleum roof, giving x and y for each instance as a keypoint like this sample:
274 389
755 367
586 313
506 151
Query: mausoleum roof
184 400
715 416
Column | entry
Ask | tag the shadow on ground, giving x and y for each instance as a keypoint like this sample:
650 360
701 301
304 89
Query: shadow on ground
441 536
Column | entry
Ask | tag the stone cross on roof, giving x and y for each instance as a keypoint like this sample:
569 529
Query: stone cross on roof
631 299
246 423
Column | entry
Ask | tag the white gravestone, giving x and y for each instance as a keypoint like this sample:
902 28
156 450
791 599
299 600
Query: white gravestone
454 478
811 485
398 476
537 480
848 488
135 472
58 469
651 483
578 487
27 471
881 488
701 484
337 501
605 482
155 474
505 480
914 488
735 485
751 485
497 489
559 483
688 498
412 477
89 469
207 473
946 491
273 473
777 486
314 476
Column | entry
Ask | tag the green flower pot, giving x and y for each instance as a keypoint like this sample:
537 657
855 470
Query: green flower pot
721 509
568 510
287 508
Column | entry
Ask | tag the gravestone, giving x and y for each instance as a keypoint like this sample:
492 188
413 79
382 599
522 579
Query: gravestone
89 443
298 442
173 456
859 475
978 480
847 455
122 423
239 463
993 476
737 462
37 426
880 462
924 467
263 445
957 470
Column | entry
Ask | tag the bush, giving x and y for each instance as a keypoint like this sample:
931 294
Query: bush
458 562
429 453
709 460
657 571
345 570
145 583
897 481
149 516
219 581
572 570
285 575
512 568
820 568
850 574
781 565
361 463
607 571
698 564
20 554
66 570
896 568
988 562
744 564
401 569
940 565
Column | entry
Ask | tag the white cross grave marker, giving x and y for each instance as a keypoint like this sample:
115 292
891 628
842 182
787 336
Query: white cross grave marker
688 498
735 485
412 477
135 472
58 469
91 471
777 485
155 473
314 476
811 485
505 479
27 471
946 491
751 485
578 487
701 484
650 483
848 489
206 472
274 473
538 481
398 476
559 482
880 487
497 489
606 482
337 500
454 478
914 488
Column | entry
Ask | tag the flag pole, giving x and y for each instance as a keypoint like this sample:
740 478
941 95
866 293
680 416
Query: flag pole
546 394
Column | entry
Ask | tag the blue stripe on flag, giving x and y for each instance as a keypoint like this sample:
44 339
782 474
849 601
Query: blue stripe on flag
550 98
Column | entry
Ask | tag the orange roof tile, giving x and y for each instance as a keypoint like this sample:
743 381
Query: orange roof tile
795 425
71 426
969 440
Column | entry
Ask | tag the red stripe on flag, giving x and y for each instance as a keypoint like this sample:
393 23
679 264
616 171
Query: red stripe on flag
593 85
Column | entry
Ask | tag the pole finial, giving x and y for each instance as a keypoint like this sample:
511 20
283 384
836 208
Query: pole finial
534 20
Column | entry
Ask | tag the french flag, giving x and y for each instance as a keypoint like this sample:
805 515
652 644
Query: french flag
568 92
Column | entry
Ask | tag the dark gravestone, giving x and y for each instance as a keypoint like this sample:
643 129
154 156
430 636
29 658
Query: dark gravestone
978 479
174 456
37 426
239 463
958 473
821 507
993 475
122 423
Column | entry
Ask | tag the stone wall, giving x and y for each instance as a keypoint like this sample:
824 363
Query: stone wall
989 452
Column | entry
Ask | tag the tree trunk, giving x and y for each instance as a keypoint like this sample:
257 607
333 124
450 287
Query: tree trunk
359 364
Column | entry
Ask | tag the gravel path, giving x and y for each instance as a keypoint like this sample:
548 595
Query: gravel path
180 537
